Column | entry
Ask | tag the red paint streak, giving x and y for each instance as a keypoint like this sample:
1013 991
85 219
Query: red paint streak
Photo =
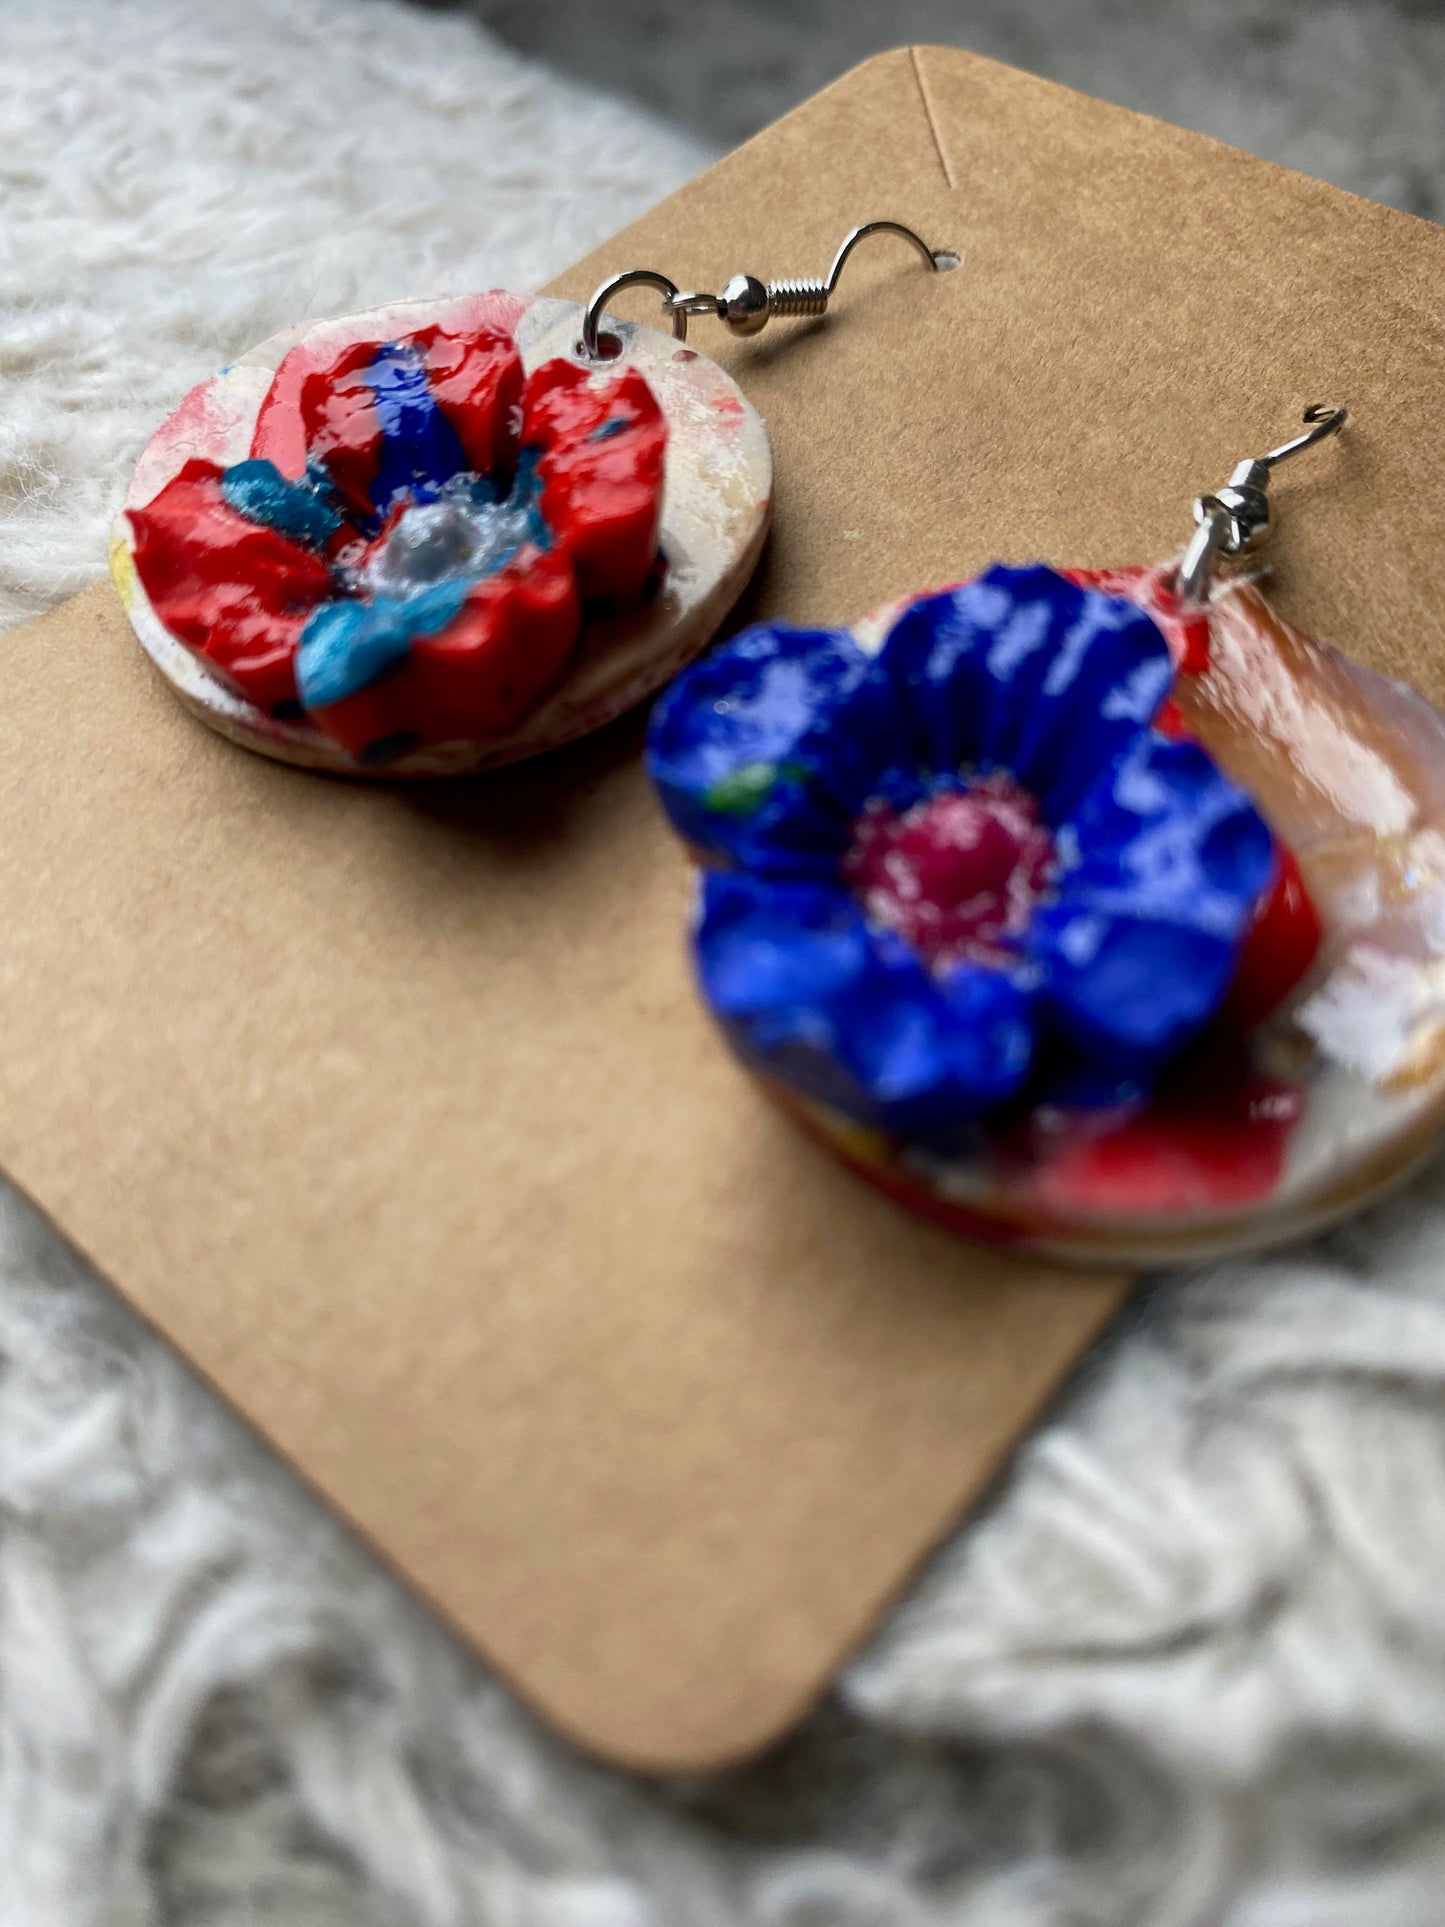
195 421
1280 945
495 311
601 487
1206 1145
956 875
237 594
1151 588
1214 1137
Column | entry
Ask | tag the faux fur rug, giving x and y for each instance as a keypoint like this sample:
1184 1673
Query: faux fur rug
1189 1669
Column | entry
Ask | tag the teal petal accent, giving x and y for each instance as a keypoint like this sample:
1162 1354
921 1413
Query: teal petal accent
347 645
259 491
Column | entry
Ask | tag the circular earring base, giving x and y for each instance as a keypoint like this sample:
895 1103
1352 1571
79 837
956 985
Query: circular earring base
1312 1085
717 504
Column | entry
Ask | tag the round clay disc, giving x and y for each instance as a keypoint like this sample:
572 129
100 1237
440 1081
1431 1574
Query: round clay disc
1349 768
717 499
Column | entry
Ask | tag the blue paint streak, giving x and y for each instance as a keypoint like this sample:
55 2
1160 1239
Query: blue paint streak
526 492
419 447
259 491
347 645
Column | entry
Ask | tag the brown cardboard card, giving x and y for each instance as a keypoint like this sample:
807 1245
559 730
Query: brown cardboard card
395 1111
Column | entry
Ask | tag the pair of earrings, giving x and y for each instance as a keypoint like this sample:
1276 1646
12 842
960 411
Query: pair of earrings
1100 913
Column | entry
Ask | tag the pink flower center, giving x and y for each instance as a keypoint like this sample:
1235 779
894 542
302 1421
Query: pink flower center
958 875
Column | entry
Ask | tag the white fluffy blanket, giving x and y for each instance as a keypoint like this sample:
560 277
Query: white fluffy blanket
1190 1668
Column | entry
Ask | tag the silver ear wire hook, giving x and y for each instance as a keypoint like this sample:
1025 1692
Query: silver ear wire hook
745 304
1236 520
630 278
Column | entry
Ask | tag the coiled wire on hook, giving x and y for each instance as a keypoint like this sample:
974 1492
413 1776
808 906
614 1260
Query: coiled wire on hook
1236 519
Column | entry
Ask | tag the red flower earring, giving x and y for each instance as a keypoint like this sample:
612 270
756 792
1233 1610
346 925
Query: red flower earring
444 536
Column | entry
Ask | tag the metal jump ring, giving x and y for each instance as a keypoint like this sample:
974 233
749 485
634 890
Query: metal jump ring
630 278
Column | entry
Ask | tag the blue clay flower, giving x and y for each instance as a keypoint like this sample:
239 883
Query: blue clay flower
961 869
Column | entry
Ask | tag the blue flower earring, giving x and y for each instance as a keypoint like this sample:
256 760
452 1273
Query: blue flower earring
1095 913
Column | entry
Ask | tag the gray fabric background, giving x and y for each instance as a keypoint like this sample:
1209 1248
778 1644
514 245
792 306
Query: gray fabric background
1350 90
